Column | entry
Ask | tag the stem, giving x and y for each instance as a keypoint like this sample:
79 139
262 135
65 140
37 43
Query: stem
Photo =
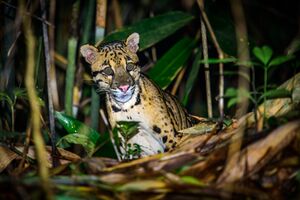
12 118
95 104
100 30
265 89
206 67
49 71
255 98
220 56
178 80
72 47
34 106
111 135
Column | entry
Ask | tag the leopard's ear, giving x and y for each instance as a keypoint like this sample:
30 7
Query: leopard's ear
89 52
132 42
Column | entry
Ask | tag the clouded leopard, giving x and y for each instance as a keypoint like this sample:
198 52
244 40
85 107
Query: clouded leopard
131 96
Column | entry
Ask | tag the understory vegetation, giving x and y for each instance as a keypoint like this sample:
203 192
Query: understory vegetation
233 64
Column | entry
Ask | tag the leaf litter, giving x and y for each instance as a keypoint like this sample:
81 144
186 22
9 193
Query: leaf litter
266 166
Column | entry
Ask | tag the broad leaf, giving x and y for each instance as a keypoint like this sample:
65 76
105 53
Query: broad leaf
223 26
5 97
233 101
127 129
237 96
191 181
276 93
82 139
280 60
143 185
79 133
192 77
166 69
153 30
216 60
263 54
231 92
200 128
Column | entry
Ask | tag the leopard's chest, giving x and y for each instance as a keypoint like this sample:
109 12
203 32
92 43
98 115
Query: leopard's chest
156 132
150 141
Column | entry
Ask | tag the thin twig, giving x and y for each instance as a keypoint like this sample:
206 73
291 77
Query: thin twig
111 135
220 56
49 89
29 14
25 150
178 81
206 67
34 106
153 49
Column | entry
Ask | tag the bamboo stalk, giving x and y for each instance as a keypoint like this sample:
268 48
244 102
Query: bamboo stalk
178 81
206 69
100 30
220 56
70 74
49 86
34 106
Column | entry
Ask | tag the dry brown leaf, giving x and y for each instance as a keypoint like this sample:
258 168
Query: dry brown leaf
200 128
97 164
65 156
144 185
133 163
255 156
6 157
114 178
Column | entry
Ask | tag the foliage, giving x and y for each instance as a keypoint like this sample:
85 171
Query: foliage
264 56
153 30
79 133
213 157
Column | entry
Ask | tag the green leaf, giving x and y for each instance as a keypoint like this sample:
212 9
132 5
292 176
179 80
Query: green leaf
127 129
216 60
275 94
280 60
230 92
166 68
153 30
192 77
78 138
191 181
232 102
263 54
79 133
237 96
6 98
20 93
230 73
223 26
142 185
200 128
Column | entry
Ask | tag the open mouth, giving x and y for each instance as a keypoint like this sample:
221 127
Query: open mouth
122 96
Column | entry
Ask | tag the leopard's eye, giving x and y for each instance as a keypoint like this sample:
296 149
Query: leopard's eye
129 67
108 71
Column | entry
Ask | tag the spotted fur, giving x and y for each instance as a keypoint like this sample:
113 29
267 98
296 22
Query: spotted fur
131 96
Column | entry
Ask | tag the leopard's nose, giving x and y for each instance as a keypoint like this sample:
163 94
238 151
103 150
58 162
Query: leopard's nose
123 88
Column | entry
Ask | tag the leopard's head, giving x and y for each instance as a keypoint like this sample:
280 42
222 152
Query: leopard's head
114 67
